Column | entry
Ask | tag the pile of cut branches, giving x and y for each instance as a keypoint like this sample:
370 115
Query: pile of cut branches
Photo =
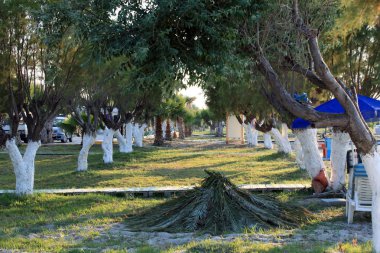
216 207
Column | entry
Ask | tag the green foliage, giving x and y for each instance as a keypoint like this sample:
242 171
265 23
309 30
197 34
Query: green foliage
69 125
354 15
354 59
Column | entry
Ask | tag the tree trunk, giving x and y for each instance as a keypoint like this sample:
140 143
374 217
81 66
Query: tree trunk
339 145
283 144
88 142
188 130
371 163
139 134
284 131
168 132
212 128
299 154
181 133
219 130
107 145
23 166
129 137
248 134
123 146
158 138
163 129
255 134
313 160
47 132
268 141
135 132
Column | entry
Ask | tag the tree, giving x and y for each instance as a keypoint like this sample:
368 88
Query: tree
351 120
178 111
265 36
354 58
38 62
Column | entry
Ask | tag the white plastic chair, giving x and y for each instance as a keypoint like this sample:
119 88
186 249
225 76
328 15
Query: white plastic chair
359 193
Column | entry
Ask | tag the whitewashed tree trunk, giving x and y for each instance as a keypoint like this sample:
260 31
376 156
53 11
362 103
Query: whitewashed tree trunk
255 135
283 144
23 166
248 134
163 127
135 132
299 154
88 141
285 131
107 145
339 145
129 137
139 134
123 146
267 141
371 163
309 144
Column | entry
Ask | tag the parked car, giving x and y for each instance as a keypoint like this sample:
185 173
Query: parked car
60 135
58 120
22 131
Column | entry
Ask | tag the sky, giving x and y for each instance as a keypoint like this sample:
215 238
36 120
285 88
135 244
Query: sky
194 91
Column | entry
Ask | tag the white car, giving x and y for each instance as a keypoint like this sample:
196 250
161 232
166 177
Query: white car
22 130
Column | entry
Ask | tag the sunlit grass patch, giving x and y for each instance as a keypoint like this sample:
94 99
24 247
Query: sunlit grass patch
151 166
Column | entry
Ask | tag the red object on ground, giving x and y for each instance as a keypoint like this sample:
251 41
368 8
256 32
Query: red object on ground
320 182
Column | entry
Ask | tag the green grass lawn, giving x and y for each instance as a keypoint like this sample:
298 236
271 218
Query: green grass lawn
89 223
151 166
86 223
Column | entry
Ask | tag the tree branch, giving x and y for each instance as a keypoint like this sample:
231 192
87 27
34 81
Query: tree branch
290 65
291 105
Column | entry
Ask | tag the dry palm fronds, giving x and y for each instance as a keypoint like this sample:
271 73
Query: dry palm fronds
216 207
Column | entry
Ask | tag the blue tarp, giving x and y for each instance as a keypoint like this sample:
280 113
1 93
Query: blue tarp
369 107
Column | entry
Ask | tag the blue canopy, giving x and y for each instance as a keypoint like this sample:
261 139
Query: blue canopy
369 107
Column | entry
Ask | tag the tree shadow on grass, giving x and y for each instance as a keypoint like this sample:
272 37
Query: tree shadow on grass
264 247
272 157
187 172
42 212
173 159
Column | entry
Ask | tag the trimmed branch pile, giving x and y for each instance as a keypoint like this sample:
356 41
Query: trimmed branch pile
218 206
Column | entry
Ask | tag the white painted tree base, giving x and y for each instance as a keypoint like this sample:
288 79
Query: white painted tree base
268 141
138 134
248 134
123 147
339 145
309 144
299 154
23 166
107 145
371 163
128 138
283 144
88 141
255 135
